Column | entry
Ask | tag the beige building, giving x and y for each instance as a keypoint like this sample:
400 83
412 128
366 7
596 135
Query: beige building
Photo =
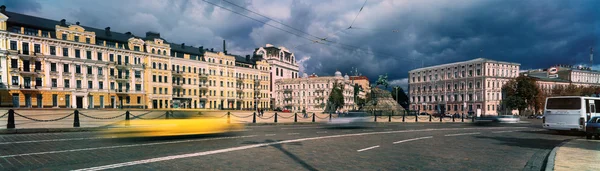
282 65
55 64
563 75
460 87
311 92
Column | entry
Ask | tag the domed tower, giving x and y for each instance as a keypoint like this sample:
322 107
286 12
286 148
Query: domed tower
338 74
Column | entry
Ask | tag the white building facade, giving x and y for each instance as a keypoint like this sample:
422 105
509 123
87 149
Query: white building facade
282 64
311 93
474 85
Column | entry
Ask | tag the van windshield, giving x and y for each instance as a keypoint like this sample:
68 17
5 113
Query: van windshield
563 103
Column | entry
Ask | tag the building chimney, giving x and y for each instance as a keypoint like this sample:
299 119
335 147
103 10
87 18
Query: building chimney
107 31
182 45
63 22
77 23
224 47
3 9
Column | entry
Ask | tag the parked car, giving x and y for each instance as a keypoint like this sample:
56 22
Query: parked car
350 119
592 128
448 115
277 110
498 119
286 111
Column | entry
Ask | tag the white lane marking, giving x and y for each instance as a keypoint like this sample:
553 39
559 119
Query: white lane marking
387 129
303 127
413 139
293 133
50 140
472 133
322 132
122 146
497 132
268 135
365 149
204 153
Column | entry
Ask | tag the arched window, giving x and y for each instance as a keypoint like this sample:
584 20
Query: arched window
153 65
165 52
158 51
153 51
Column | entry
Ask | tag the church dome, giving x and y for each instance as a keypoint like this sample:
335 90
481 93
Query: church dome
305 75
338 74
346 77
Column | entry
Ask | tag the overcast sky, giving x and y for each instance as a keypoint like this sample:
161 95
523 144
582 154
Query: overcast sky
388 36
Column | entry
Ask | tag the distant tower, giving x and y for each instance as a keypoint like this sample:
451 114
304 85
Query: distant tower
591 57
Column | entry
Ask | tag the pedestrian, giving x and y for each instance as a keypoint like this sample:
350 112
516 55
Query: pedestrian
262 112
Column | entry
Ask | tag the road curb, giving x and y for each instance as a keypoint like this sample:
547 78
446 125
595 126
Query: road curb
552 156
47 130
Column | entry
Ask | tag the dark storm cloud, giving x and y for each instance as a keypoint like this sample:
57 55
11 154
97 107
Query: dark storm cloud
387 37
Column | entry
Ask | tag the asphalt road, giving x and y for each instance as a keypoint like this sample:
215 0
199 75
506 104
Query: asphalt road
385 146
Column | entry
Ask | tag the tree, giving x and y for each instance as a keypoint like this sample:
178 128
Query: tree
402 98
520 93
336 97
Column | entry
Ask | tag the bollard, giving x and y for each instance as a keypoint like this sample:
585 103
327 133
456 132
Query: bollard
374 115
417 117
76 119
275 117
329 116
11 119
390 118
452 118
295 117
462 117
441 117
167 115
254 117
473 119
126 118
313 117
403 116
228 117
429 118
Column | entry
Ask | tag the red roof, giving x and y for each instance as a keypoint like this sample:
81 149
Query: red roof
362 77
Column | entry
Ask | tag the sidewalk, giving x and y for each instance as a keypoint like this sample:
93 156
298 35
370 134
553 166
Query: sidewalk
578 154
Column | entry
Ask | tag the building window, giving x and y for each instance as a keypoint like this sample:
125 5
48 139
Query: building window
65 52
153 78
65 67
53 67
64 36
138 74
13 45
67 83
100 85
78 69
88 40
138 87
36 48
88 54
77 53
137 48
76 38
112 85
90 84
89 70
78 84
111 57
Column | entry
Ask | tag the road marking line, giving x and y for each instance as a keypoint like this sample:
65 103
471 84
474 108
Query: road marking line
387 129
365 149
270 135
472 133
322 132
497 132
304 127
397 142
204 153
122 146
49 140
293 133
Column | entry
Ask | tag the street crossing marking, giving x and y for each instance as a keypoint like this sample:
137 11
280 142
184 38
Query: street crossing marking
303 127
472 133
365 149
322 132
50 140
268 135
293 133
397 142
204 153
387 129
497 132
123 146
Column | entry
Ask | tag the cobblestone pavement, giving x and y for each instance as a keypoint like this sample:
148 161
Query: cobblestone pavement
382 146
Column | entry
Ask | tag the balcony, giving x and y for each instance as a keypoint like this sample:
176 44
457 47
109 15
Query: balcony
203 86
27 71
176 73
90 76
122 78
203 75
238 79
142 66
177 85
78 75
100 76
120 65
112 77
28 54
287 91
122 91
66 74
